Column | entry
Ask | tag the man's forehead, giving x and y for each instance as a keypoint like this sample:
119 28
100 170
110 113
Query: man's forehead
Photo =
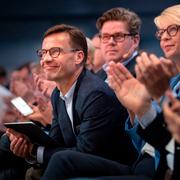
117 26
58 38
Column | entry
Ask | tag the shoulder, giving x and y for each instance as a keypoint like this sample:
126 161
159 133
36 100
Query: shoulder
101 74
93 89
92 83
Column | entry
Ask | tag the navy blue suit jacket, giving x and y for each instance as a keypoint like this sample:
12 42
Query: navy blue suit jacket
98 122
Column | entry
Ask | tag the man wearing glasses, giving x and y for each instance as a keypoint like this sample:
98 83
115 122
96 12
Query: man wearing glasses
120 36
85 110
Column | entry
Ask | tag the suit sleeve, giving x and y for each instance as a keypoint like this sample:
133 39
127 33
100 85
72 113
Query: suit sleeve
156 133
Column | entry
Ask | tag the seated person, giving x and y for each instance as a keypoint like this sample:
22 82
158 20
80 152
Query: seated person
86 112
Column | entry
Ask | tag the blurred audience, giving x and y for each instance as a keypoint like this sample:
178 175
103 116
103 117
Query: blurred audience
98 58
3 77
90 57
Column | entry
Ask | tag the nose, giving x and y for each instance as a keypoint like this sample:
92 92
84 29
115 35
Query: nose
46 57
165 36
111 40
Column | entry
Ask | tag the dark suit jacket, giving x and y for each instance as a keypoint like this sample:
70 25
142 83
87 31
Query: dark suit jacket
158 136
98 122
130 66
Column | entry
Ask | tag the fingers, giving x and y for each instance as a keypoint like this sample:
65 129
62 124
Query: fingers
119 70
117 74
147 67
19 143
169 67
12 133
19 147
171 111
174 103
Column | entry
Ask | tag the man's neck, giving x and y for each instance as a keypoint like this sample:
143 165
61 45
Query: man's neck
66 84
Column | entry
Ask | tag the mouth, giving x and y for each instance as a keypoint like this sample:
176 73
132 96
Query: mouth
112 51
49 68
168 47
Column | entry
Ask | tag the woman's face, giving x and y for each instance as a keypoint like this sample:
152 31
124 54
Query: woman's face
170 44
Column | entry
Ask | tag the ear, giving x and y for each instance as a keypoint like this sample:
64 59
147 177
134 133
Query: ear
79 56
136 40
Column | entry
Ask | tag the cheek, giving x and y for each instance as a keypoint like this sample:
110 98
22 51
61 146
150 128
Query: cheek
41 63
103 48
161 45
178 46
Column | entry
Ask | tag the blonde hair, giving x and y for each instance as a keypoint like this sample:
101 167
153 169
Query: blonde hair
172 13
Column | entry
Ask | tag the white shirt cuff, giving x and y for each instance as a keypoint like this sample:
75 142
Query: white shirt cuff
148 117
40 153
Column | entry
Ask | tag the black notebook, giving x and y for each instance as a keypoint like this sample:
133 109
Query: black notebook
34 132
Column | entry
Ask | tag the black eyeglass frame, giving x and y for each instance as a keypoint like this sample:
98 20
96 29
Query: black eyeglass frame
60 51
114 36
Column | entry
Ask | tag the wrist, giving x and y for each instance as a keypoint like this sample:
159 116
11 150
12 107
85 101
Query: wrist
143 110
33 150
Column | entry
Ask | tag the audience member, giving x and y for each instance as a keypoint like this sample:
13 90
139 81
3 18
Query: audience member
86 112
141 169
120 36
136 95
90 57
98 58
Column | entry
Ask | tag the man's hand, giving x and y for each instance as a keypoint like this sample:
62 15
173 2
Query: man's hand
42 112
20 144
130 92
155 73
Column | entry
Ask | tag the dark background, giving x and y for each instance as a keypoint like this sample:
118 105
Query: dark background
22 23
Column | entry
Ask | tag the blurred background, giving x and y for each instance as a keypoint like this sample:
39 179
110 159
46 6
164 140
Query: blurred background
22 23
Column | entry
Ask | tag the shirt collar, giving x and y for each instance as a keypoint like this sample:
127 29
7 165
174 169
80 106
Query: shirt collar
69 94
170 147
124 63
128 60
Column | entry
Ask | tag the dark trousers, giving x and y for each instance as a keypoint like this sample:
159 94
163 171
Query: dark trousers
68 164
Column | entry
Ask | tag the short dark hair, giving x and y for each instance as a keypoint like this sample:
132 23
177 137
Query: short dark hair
77 38
121 14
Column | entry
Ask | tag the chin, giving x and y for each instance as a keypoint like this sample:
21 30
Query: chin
50 78
169 55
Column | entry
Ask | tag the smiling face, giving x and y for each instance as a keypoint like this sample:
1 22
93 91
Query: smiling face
170 45
62 67
115 51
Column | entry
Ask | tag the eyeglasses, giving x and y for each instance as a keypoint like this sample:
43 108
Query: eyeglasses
171 31
54 52
117 37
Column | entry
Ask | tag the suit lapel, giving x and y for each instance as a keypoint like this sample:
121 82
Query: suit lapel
102 74
131 66
65 124
76 120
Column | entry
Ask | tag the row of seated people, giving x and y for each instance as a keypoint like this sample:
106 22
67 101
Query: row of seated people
101 135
